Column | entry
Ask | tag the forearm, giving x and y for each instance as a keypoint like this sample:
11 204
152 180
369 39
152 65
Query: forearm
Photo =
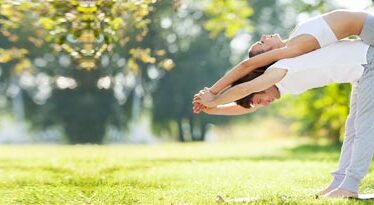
260 83
228 109
261 60
231 76
232 94
248 65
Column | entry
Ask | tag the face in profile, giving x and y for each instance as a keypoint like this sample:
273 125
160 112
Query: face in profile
266 43
266 97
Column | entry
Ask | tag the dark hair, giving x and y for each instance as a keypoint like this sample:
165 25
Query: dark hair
251 53
247 100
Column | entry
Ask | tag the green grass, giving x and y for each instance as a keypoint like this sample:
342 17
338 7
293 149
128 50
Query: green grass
270 172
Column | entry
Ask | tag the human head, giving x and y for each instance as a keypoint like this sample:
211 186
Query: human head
266 43
264 97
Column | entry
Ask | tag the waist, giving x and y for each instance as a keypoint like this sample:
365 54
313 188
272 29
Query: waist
370 56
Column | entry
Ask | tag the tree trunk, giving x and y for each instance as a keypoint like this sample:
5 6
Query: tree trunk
193 136
203 130
180 131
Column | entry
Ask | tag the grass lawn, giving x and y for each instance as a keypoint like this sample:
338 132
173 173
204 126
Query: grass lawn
268 172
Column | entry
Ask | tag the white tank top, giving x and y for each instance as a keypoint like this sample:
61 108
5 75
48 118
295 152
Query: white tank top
340 62
316 27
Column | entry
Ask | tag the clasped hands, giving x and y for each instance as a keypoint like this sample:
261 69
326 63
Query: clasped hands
203 100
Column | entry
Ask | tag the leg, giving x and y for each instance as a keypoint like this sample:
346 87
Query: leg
363 147
346 150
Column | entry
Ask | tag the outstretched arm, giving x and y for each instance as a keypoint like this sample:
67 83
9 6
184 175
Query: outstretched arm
260 83
296 46
228 109
248 65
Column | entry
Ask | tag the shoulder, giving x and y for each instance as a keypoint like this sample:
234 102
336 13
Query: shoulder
281 65
275 73
288 51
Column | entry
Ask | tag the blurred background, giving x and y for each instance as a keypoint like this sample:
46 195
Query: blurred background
108 72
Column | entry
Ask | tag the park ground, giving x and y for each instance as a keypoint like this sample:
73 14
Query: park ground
267 171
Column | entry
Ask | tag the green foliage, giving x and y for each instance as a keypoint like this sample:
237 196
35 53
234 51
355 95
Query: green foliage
228 16
201 65
83 29
129 36
200 61
320 112
83 112
88 31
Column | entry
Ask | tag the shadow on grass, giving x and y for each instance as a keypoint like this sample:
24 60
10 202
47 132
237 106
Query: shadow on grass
315 148
28 168
305 152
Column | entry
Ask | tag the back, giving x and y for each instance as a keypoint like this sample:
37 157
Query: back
351 25
340 62
316 27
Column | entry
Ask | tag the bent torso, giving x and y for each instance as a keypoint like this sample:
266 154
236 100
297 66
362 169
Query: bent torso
345 23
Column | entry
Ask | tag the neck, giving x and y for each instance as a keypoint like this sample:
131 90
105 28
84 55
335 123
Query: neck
281 44
284 42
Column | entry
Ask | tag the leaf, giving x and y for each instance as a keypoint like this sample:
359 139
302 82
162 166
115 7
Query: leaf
47 23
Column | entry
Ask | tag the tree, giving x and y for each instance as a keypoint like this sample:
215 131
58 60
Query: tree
74 45
204 62
201 50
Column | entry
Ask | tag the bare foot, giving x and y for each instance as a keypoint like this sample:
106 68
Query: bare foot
341 193
323 192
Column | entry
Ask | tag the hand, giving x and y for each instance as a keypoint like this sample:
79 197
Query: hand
206 109
197 107
205 97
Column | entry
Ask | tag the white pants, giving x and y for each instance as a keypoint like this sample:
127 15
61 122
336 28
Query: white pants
367 32
358 146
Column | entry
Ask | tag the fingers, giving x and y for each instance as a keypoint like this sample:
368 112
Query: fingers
198 95
197 102
204 108
200 108
195 98
197 108
201 94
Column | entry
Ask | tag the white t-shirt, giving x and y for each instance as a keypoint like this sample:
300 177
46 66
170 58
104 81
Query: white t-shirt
318 28
340 62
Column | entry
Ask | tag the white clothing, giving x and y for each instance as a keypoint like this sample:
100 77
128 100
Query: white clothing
340 62
318 28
